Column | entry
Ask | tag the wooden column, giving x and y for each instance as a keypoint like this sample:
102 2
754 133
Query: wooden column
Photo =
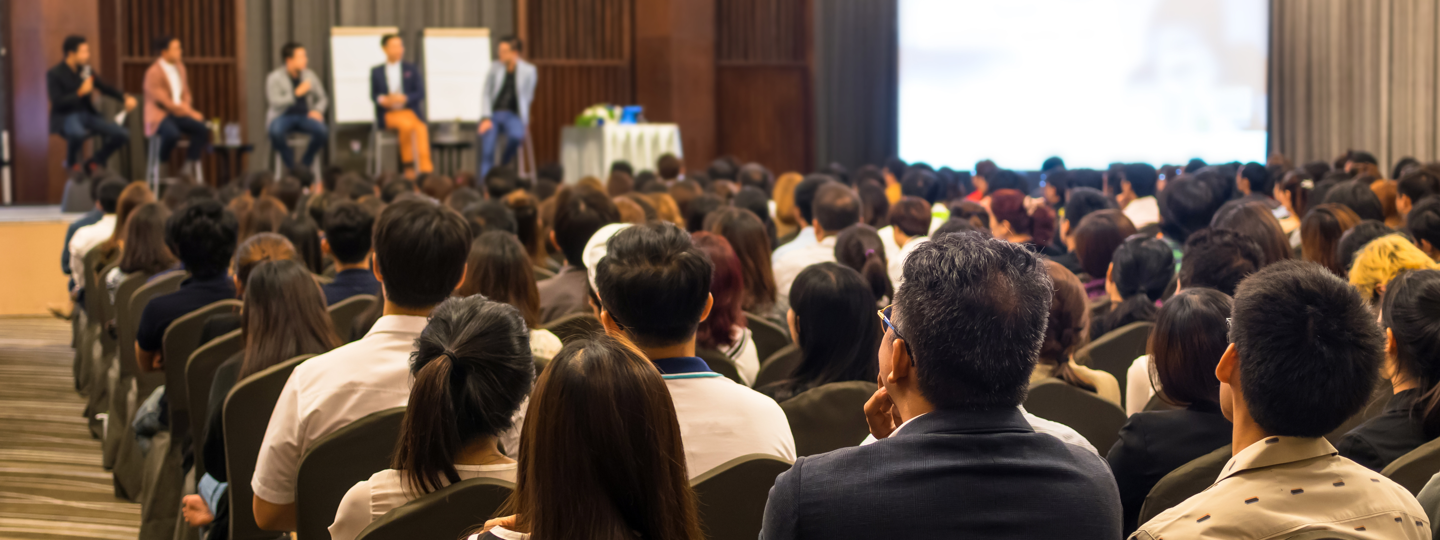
675 71
38 28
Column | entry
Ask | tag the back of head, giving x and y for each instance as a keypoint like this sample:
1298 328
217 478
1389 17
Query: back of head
1081 202
784 195
395 188
619 183
348 230
420 251
132 197
859 247
265 215
836 207
1219 259
578 214
1187 205
1189 337
1254 220
911 215
1088 178
654 283
918 183
1143 266
500 181
1008 206
145 249
750 240
985 168
1320 233
699 208
623 166
202 235
684 192
601 394
284 315
835 327
472 369
261 248
668 167
1068 326
1412 314
973 311
1005 179
874 204
1195 164
1295 188
257 183
437 186
1358 197
1355 240
490 215
1385 190
755 175
1142 178
1423 221
1381 260
752 199
1309 351
959 225
804 195
727 289
1418 185
1261 183
723 168
499 269
108 194
306 237
288 191
1097 238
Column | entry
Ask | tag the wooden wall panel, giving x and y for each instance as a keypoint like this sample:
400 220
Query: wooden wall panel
764 73
582 49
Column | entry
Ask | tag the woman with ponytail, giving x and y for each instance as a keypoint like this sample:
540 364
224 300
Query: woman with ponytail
473 369
1067 331
1139 273
1411 317
859 247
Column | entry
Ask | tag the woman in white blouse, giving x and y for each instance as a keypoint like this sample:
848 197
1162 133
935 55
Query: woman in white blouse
499 268
724 330
472 369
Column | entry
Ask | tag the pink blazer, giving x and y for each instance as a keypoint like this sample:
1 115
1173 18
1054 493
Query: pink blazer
158 103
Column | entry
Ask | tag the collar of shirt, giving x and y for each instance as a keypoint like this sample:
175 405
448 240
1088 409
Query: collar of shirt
351 275
401 324
222 281
905 423
684 367
1276 450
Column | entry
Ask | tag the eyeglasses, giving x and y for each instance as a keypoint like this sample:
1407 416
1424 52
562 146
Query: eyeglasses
885 318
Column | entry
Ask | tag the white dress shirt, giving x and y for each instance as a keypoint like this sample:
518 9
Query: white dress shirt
387 490
721 420
177 90
742 352
328 392
1143 211
1138 389
787 266
803 239
393 80
85 239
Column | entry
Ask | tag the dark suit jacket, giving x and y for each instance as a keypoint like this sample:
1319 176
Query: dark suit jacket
62 83
948 474
1154 443
414 90
1386 437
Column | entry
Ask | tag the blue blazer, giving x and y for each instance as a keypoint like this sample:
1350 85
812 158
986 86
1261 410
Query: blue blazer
414 90
949 474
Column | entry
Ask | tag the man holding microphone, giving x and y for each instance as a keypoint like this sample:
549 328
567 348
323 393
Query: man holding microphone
505 103
71 85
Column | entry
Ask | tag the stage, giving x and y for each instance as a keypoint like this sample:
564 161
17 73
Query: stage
30 244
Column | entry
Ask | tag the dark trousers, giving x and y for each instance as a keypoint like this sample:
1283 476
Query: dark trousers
80 126
282 126
173 127
501 122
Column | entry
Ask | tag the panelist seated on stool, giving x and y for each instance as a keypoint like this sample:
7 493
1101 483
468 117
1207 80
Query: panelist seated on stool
505 103
297 105
398 92
168 111
71 85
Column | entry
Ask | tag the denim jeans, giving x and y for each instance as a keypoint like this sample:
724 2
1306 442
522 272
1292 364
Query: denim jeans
508 123
282 126
80 126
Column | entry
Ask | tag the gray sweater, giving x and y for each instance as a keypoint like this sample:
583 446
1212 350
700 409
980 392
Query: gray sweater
280 92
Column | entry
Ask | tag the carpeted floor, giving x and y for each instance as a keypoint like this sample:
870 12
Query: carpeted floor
51 483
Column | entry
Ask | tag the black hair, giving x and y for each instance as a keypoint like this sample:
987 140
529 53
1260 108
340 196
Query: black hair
896 167
1219 259
1081 201
161 43
1411 311
958 225
305 236
654 283
836 330
385 39
1423 221
1142 178
1053 162
348 230
1309 351
288 49
202 235
108 194
71 44
700 207
500 181
395 188
1141 270
973 312
514 43
420 250
1189 338
257 182
838 171
1362 157
1260 180
1005 179
805 194
836 207
1355 239
1187 205
1089 178
491 215
723 168
578 214
919 183
859 247
1357 196
472 369
668 166
622 166
1418 185
1406 165
288 190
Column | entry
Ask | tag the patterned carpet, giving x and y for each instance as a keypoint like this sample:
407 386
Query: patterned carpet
51 483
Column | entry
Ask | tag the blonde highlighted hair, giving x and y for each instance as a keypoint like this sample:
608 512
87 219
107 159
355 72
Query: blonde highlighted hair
1383 259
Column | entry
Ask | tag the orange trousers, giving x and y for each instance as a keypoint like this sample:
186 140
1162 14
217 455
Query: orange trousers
414 138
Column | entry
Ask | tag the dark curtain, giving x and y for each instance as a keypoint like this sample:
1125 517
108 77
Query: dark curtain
856 71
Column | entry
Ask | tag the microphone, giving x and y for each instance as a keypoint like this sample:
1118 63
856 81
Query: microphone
85 72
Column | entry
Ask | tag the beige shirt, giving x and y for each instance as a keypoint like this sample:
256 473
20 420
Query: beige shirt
1105 384
1280 487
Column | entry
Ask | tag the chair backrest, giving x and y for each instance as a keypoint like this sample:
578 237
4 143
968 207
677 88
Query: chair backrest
719 363
574 326
107 309
90 268
336 462
1096 419
543 273
1415 468
199 376
124 327
245 418
449 512
778 366
1114 352
1099 307
1184 482
768 336
829 416
732 496
143 293
344 313
182 337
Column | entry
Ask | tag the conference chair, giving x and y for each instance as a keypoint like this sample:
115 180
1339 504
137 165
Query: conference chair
768 336
244 418
778 366
720 363
1415 468
1184 482
448 512
292 140
542 274
829 416
336 462
181 339
344 313
129 469
199 377
1114 352
103 370
381 137
1096 419
1099 307
731 497
574 326
122 383
1379 400
90 318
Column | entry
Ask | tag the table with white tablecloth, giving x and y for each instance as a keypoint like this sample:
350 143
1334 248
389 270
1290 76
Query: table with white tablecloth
589 151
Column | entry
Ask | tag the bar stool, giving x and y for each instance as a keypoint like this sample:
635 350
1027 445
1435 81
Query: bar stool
379 138
292 139
153 158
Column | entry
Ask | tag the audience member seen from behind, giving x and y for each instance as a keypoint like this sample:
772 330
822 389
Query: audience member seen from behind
836 207
1138 185
1079 202
859 247
1380 261
1360 236
305 235
499 269
420 251
348 228
1320 233
910 220
1423 222
725 331
654 289
1186 206
1255 221
93 235
144 250
473 368
1188 340
203 236
1218 259
1139 274
579 213
1358 197
1067 330
630 482
802 213
832 318
748 238
1305 357
954 365
1094 243
1016 223
1414 187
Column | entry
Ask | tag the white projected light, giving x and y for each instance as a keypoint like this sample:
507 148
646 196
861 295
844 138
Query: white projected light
1092 81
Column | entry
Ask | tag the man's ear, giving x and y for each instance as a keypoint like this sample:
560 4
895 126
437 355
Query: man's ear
375 269
1228 367
709 303
1109 271
325 247
799 217
554 243
464 276
901 365
612 328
